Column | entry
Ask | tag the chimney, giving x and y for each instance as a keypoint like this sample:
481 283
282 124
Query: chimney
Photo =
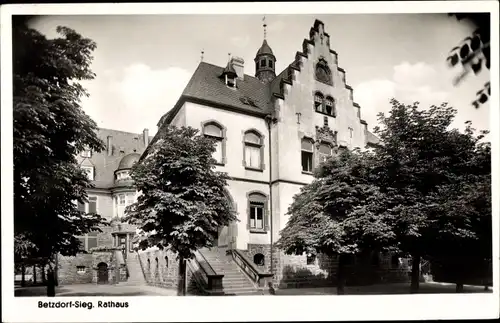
239 66
145 134
110 145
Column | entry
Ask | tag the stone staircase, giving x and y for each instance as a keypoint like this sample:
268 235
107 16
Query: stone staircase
235 282
136 275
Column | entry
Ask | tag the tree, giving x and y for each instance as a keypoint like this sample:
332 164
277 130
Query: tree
428 164
339 214
473 52
50 128
182 203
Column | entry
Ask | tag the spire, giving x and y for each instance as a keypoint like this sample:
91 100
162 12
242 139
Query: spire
265 27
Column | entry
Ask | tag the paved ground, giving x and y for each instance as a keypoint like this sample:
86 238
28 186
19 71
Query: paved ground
125 290
96 290
387 289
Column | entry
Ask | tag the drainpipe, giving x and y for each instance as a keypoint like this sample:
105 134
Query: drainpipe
270 120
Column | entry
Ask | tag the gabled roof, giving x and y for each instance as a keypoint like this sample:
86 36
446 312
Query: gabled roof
205 85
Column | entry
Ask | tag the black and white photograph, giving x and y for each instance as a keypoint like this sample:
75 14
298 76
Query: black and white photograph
252 150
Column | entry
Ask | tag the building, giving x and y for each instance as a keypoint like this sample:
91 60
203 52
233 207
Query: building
272 130
106 252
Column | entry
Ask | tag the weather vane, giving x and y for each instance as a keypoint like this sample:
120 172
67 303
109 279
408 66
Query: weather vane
202 52
265 26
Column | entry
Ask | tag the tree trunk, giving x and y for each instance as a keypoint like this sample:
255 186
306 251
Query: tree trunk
44 279
415 274
51 286
23 275
459 288
182 277
341 276
56 271
34 274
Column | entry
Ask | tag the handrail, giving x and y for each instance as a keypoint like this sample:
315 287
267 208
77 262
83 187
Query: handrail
258 277
205 263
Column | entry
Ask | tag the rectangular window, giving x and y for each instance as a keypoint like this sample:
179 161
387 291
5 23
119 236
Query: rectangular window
91 240
122 199
307 158
252 156
90 172
92 204
256 215
263 63
217 155
82 242
80 269
81 207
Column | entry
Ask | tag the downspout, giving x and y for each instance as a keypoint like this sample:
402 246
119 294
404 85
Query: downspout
269 121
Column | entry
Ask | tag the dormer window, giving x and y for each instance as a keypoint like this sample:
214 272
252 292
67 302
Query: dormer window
230 81
87 153
90 172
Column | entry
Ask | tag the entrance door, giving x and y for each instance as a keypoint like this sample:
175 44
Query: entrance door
102 273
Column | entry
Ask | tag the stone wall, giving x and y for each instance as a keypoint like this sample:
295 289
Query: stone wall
292 271
265 250
161 268
68 272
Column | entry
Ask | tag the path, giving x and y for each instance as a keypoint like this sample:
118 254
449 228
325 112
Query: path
96 290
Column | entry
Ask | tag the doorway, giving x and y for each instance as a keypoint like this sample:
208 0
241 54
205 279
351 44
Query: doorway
102 273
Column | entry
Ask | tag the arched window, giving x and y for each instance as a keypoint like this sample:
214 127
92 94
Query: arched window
323 73
156 262
307 155
330 106
166 261
325 151
258 259
215 132
149 263
257 215
253 150
318 102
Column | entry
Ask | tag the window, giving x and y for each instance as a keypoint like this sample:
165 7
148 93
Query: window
258 259
330 106
88 241
88 207
257 212
80 269
262 63
311 259
230 81
90 172
325 151
253 150
122 201
166 261
257 65
318 102
307 155
149 263
323 73
351 130
214 132
86 153
270 64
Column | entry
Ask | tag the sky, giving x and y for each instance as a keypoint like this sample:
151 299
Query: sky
143 62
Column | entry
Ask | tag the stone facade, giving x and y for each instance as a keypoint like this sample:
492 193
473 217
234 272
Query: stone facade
160 267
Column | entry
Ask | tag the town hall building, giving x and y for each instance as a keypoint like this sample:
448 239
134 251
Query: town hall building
271 131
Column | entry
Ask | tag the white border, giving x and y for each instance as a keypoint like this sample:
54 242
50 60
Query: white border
449 306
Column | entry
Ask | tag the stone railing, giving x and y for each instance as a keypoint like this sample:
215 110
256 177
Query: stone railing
260 278
205 275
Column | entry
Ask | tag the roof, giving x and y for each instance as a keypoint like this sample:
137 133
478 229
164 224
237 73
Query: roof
128 161
371 138
265 49
229 70
206 85
123 143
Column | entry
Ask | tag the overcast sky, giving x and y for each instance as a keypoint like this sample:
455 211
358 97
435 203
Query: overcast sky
144 62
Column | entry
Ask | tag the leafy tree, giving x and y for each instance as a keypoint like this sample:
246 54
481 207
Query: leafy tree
339 214
428 163
182 203
473 52
50 128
